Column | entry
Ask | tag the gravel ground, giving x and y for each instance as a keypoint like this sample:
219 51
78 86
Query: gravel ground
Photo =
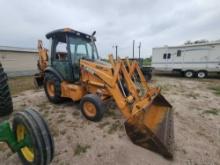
81 142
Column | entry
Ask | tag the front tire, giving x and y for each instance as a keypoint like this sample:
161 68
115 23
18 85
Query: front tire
6 106
92 107
30 127
189 74
52 88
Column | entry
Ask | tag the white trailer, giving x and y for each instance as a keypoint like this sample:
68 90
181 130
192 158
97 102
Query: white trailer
190 60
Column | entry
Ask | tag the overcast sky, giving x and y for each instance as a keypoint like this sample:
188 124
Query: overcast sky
152 22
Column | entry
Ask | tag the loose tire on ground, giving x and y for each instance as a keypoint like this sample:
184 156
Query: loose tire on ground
6 106
29 125
92 107
52 87
189 73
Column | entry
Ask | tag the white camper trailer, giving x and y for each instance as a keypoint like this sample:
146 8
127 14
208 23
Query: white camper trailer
191 60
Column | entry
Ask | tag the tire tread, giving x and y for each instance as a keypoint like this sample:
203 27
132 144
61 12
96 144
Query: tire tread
6 106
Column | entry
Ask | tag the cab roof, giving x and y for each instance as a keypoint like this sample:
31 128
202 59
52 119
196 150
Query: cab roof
62 32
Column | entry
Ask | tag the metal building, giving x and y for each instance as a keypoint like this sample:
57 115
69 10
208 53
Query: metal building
18 61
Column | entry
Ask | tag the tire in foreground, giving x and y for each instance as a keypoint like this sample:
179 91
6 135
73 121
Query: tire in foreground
30 127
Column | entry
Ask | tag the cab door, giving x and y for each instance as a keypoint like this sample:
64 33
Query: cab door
78 50
61 59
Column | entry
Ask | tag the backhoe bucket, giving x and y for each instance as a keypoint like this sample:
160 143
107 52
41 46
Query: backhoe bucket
152 128
38 80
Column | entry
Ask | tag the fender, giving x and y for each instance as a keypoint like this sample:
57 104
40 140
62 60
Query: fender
56 73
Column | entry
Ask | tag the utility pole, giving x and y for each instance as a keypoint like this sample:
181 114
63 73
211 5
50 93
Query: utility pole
116 51
133 47
139 52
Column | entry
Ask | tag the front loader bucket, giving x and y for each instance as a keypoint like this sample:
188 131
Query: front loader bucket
38 80
152 128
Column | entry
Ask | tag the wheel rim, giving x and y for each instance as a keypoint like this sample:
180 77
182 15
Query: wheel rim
189 74
22 135
51 88
201 74
89 109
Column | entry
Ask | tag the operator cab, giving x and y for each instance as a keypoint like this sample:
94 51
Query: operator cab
67 48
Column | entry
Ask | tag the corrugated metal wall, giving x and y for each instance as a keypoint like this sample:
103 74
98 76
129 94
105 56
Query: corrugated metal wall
19 63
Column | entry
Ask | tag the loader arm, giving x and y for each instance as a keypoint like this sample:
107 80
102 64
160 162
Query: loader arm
148 122
134 66
110 80
131 68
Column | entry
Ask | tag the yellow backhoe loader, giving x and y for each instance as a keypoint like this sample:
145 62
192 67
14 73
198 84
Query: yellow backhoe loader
71 68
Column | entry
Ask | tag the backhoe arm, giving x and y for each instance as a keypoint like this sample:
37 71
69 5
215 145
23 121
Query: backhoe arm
42 64
43 57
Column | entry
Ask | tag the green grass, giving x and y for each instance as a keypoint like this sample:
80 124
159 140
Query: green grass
20 84
114 127
216 90
81 149
102 125
211 111
54 131
193 95
147 61
110 113
165 88
76 113
43 105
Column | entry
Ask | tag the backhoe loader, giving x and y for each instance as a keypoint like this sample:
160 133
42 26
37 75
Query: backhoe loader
29 135
71 68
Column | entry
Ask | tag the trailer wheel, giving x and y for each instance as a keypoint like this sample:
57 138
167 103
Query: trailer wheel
6 106
52 87
92 107
189 73
201 74
30 128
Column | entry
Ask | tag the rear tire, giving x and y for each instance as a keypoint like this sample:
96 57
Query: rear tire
201 74
52 88
29 124
92 107
189 74
6 106
148 76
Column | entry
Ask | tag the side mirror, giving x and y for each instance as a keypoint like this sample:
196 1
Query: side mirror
93 33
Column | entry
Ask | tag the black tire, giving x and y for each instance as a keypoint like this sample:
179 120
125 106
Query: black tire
41 139
189 74
99 107
51 78
148 76
6 106
201 74
38 80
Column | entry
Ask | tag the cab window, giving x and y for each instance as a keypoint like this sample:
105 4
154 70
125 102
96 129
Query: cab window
61 51
81 48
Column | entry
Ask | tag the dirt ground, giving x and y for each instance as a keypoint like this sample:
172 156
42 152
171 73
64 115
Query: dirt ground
81 142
